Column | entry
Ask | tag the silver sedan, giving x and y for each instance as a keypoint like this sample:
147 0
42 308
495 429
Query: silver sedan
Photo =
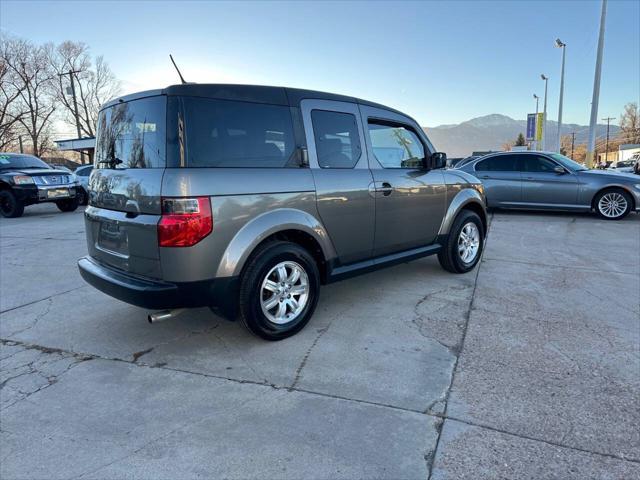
550 181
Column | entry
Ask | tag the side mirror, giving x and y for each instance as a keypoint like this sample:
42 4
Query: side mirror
559 170
438 160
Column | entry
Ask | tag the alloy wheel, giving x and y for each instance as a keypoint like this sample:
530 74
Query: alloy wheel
284 292
469 242
612 205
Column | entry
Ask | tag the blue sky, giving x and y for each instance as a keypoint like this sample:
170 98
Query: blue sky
442 62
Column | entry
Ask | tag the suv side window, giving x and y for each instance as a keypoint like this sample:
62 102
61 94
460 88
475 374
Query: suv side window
396 146
499 163
537 164
224 133
84 172
337 139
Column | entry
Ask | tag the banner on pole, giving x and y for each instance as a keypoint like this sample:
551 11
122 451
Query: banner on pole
531 126
539 127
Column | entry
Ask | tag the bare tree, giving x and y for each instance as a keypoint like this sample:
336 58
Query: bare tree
11 112
94 84
30 73
630 123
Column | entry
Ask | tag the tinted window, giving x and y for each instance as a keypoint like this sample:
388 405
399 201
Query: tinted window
500 163
84 172
21 161
222 133
534 163
337 139
396 146
132 134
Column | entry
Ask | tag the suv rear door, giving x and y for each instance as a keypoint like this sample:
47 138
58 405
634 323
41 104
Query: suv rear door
124 188
338 162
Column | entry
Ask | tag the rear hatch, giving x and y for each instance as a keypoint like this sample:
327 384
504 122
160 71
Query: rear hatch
124 187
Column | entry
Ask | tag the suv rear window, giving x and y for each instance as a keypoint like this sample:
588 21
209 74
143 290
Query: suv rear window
132 134
224 133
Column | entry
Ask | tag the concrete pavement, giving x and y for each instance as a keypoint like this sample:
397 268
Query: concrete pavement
527 367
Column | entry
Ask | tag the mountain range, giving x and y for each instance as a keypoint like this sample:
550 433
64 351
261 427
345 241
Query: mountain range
490 132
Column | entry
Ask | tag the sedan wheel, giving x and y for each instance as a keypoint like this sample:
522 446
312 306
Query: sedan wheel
613 204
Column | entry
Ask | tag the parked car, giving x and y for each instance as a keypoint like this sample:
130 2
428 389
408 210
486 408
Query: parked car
82 176
26 180
247 198
465 160
623 166
550 181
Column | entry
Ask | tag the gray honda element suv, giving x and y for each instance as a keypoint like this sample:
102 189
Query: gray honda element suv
247 198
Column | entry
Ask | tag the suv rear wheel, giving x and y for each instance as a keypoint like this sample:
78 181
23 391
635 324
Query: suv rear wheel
279 290
463 248
10 206
67 205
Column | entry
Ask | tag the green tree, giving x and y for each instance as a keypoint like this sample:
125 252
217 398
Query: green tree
520 141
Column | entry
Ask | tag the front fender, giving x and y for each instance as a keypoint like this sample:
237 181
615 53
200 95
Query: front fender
265 225
463 198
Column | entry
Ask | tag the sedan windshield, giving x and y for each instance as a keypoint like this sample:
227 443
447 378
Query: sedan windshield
21 162
567 162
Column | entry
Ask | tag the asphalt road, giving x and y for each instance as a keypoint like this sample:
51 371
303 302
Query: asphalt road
527 367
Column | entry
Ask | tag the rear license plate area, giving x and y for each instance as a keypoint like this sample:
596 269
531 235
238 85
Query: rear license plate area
113 237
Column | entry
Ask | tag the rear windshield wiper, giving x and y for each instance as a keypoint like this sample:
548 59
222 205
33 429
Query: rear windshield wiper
112 162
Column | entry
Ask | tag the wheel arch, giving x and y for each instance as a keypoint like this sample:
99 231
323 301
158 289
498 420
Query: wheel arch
465 199
282 224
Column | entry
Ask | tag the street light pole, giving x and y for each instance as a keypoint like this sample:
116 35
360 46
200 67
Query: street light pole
544 112
563 46
535 131
591 145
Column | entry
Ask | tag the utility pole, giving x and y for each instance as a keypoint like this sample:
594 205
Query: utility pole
563 46
606 155
20 141
544 112
573 141
535 130
71 73
591 145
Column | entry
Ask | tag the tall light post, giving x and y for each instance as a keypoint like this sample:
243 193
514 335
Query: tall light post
544 112
591 145
535 141
563 46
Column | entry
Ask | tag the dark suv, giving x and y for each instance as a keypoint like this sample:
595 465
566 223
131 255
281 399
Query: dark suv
26 180
247 198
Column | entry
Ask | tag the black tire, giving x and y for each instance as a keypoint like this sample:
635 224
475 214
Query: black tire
449 256
10 206
616 192
82 196
67 205
257 269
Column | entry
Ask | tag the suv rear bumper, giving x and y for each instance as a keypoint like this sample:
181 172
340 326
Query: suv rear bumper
220 294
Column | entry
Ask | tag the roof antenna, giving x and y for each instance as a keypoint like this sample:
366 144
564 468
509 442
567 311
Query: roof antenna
177 69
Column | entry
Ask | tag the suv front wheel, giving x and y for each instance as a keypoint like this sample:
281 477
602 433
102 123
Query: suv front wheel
463 248
279 290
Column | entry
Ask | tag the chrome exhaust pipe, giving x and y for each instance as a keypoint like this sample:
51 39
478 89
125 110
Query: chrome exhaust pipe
164 315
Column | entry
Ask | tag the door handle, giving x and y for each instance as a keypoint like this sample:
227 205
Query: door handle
385 189
484 176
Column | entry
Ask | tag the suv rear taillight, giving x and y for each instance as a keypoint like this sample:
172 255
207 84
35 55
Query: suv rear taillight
184 221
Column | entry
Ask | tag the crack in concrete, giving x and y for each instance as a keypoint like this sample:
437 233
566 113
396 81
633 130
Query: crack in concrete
41 300
431 458
442 417
37 318
303 363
